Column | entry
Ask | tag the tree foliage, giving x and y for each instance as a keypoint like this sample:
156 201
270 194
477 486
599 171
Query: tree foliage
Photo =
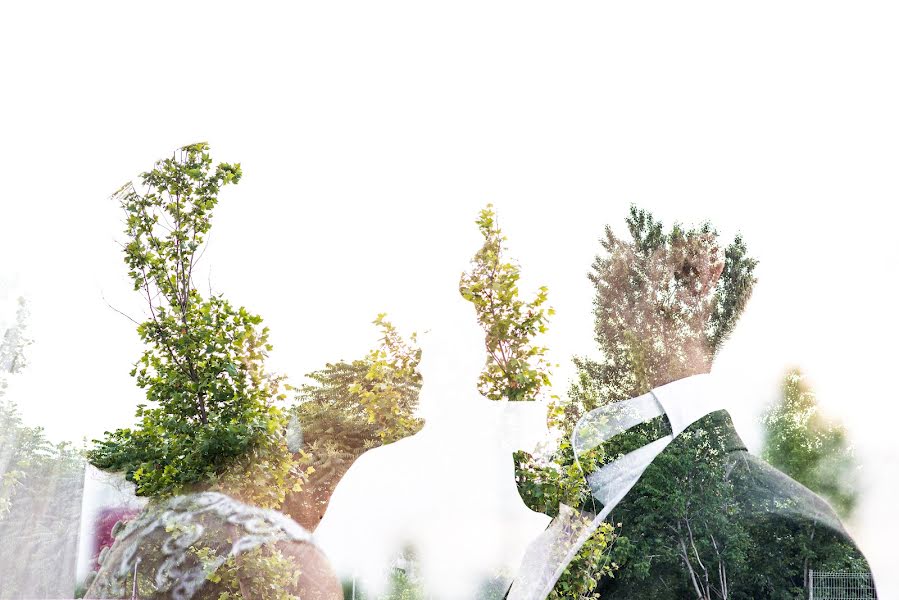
516 368
684 525
263 572
351 407
701 522
809 447
212 404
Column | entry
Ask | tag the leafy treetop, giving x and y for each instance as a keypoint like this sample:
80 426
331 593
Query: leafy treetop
212 403
516 368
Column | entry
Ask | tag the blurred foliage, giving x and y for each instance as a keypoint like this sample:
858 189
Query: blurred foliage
809 447
403 587
40 491
211 402
15 341
41 485
22 442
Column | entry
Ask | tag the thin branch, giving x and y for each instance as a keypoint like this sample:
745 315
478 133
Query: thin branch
492 280
159 328
690 570
194 259
696 554
129 317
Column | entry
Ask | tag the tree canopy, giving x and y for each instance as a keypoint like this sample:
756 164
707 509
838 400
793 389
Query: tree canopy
516 368
211 416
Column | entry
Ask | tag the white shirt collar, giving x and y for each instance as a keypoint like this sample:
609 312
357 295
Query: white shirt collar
689 399
684 402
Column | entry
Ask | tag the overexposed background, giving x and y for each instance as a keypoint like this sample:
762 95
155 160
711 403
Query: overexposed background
371 134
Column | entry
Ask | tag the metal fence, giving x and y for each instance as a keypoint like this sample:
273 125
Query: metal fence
841 585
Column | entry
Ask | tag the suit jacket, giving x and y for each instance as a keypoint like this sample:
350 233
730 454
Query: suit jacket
707 519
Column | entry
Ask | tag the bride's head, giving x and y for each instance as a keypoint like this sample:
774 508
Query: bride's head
453 350
452 357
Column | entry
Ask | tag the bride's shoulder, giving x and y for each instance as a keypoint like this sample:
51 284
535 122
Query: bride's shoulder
203 545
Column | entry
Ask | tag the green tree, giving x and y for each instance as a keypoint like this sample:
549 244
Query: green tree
212 416
701 519
809 447
682 536
351 407
664 304
517 370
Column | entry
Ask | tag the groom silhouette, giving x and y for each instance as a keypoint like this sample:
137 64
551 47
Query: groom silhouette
696 515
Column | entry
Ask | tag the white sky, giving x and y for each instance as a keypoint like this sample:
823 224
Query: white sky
371 134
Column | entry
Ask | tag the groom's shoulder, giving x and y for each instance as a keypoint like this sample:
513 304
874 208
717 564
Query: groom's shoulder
767 492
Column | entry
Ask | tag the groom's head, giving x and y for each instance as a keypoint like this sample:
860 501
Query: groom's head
666 301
